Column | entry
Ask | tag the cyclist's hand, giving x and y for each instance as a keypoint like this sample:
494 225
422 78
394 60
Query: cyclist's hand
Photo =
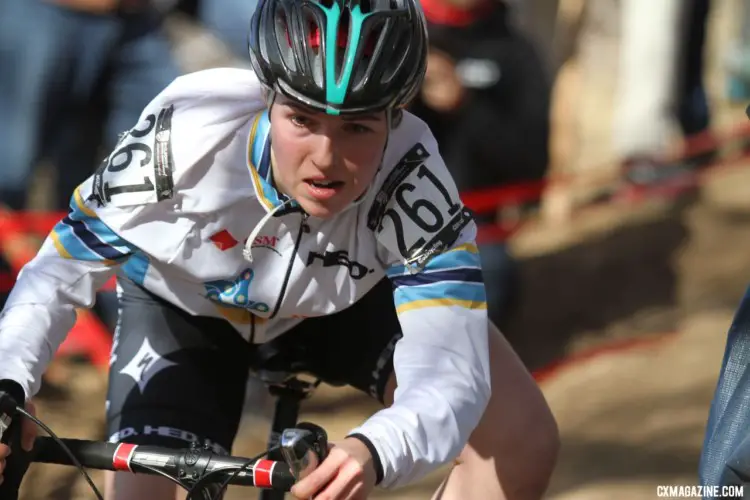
346 474
28 435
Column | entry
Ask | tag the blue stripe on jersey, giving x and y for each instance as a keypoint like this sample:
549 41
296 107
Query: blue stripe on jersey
261 143
457 258
443 293
467 275
82 236
96 226
136 267
260 153
264 171
69 246
89 239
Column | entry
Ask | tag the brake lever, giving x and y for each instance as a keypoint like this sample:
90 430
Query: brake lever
304 448
5 422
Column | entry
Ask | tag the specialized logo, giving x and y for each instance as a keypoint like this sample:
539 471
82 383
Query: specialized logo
235 293
267 242
223 240
145 364
340 258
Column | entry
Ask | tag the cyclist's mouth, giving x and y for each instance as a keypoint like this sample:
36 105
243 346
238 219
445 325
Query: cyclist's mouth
323 189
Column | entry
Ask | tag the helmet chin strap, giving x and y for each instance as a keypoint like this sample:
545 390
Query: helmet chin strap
270 96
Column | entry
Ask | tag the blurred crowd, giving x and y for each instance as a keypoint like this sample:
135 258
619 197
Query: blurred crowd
76 73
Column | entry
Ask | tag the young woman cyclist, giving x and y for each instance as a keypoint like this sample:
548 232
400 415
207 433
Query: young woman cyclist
297 204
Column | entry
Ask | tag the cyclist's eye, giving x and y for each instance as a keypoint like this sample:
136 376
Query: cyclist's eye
300 120
358 128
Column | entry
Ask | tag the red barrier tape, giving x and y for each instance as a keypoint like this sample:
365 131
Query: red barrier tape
554 369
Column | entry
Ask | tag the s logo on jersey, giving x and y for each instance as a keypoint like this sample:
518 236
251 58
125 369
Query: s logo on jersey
235 293
145 364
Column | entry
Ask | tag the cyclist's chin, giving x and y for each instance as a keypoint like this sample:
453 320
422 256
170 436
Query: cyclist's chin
322 209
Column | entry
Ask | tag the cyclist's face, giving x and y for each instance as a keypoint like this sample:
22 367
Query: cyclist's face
324 162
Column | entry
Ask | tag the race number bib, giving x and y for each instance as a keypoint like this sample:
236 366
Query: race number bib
139 170
417 213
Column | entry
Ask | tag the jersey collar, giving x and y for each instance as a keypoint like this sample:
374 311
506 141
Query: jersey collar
259 165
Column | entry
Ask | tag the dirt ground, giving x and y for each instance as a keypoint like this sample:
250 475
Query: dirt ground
629 419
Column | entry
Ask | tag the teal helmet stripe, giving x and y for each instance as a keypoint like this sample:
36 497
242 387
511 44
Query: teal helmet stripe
336 90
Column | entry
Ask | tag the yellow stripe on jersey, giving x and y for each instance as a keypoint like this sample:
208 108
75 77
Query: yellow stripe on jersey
444 302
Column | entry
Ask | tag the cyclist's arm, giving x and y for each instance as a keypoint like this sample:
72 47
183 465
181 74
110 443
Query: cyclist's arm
134 201
75 260
442 361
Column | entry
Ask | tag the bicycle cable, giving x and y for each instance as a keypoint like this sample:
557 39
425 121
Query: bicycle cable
244 466
164 474
78 465
65 448
193 491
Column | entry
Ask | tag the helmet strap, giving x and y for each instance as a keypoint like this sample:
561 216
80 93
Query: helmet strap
270 96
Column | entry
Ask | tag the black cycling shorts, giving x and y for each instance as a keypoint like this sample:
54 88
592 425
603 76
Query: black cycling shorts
176 378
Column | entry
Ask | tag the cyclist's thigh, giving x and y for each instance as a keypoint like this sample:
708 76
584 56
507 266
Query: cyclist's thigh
174 378
354 346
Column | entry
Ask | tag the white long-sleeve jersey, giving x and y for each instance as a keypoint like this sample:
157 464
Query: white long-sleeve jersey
186 206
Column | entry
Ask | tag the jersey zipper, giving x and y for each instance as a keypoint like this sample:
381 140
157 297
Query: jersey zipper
303 227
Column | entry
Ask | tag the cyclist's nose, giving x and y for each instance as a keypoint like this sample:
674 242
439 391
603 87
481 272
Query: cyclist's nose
324 154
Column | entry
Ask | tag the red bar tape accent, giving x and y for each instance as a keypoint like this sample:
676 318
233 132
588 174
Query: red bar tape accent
123 455
262 471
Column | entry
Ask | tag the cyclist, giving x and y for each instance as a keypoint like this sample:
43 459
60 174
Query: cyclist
292 206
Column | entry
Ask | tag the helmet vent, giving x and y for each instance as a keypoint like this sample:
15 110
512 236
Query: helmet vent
400 41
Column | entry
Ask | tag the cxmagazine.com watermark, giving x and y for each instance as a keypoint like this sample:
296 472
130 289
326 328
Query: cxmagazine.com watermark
688 491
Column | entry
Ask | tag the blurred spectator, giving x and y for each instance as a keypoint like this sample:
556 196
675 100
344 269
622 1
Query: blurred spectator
486 98
228 20
75 74
738 60
660 86
693 110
